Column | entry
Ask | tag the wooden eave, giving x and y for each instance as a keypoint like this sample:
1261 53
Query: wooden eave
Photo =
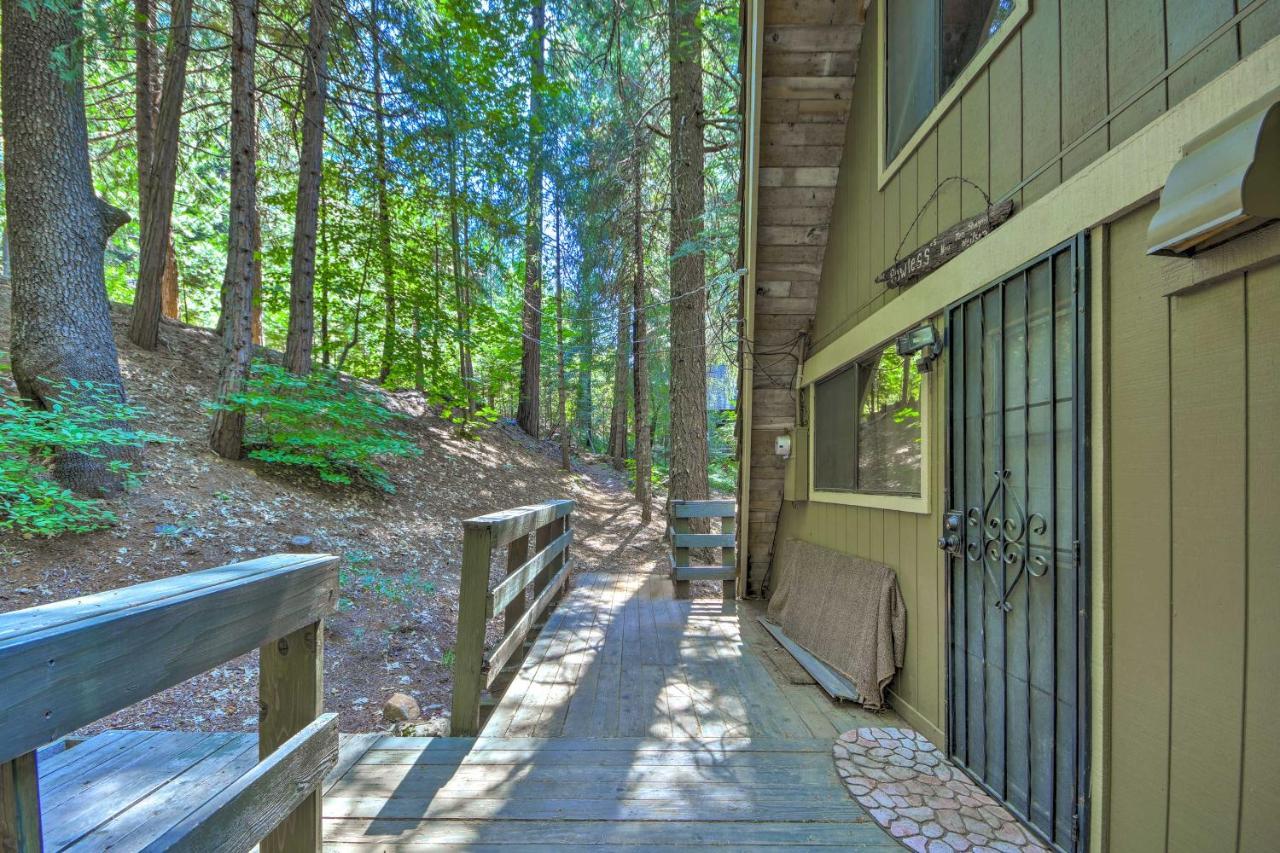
807 70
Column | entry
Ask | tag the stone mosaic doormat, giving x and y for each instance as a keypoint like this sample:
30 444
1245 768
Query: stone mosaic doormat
921 799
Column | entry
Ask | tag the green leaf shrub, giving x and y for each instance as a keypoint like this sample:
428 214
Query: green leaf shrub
83 417
321 423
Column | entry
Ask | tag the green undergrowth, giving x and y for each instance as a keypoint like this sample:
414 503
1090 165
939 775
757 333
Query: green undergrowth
322 423
82 417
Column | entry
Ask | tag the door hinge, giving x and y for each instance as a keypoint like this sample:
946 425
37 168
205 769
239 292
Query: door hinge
1075 827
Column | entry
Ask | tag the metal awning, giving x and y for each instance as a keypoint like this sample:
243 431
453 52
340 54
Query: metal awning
1227 183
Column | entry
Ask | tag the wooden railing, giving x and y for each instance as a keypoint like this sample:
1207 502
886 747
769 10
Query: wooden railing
682 539
544 573
67 664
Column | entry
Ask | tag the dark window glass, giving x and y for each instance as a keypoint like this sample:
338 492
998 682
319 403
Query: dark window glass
834 402
928 43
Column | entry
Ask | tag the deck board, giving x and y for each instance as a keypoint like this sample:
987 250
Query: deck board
635 721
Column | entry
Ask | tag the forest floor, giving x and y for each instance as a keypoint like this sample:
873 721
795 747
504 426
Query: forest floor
400 553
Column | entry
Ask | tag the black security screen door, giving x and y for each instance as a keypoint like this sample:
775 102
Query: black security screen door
1014 533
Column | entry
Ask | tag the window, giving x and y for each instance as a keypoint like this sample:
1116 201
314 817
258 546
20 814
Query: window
867 427
928 45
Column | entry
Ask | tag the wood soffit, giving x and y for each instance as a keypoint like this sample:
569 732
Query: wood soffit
810 56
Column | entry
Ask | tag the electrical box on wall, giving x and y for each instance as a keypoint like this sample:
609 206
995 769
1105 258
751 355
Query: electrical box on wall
795 483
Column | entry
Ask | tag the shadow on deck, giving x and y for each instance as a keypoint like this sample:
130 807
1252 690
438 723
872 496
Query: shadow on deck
636 719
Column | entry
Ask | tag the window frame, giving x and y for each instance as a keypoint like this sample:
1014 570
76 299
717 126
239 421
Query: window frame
918 504
889 168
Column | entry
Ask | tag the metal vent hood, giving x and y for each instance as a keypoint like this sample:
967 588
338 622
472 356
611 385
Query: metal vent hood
1227 183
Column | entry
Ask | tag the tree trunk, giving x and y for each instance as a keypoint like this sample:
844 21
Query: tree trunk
531 315
638 339
324 280
460 284
58 228
227 434
688 276
618 420
158 146
563 409
302 268
256 336
384 209
586 361
436 312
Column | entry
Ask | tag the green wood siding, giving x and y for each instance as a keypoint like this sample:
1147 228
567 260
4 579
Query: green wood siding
1035 116
1194 592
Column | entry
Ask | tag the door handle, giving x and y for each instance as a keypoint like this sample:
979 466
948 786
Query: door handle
952 524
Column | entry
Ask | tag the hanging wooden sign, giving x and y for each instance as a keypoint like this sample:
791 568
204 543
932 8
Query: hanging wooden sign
945 246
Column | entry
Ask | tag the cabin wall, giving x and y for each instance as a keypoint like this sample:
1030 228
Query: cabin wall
1194 590
1186 641
1024 124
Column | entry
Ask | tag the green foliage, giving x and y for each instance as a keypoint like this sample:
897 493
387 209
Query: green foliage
334 428
359 572
83 417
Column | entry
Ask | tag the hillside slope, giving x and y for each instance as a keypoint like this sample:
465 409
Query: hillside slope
400 552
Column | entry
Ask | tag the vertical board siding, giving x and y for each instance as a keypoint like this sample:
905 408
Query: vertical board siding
1195 644
1207 408
1034 110
1260 790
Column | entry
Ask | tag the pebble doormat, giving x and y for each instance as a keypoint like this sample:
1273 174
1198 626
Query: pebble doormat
921 799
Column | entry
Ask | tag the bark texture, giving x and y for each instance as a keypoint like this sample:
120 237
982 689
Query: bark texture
227 435
157 272
639 335
622 353
384 202
302 272
58 228
563 410
531 317
688 276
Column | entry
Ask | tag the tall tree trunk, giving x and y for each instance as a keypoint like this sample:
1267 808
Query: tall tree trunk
563 409
639 335
302 267
160 141
688 276
324 279
618 420
384 208
586 361
256 336
531 315
436 311
58 228
227 434
459 283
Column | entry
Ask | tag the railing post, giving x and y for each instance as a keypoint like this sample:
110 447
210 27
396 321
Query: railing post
290 697
468 652
517 554
680 525
728 557
20 805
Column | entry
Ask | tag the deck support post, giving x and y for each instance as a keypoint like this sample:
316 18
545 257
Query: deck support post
468 651
20 830
517 554
729 557
681 525
290 697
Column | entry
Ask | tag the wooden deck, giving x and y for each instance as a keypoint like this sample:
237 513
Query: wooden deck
635 720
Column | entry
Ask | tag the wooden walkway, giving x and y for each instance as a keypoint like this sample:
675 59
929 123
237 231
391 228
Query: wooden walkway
635 720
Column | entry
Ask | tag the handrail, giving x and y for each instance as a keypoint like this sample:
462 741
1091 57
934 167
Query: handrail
680 531
544 573
66 664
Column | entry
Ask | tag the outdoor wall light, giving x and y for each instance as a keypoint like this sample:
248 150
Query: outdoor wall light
1227 183
924 340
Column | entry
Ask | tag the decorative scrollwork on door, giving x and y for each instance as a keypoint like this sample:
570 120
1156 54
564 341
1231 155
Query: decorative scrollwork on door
996 540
